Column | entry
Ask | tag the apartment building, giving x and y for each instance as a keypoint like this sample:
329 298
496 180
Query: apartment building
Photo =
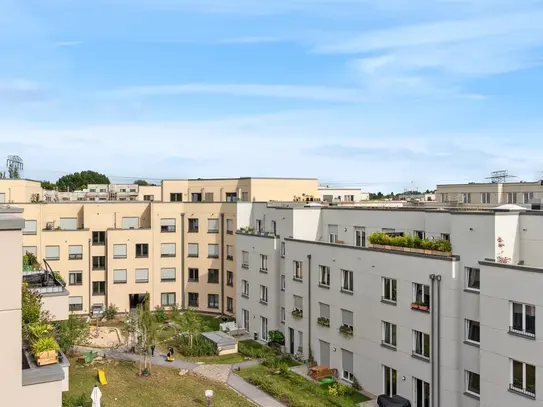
23 383
337 195
490 194
312 273
179 247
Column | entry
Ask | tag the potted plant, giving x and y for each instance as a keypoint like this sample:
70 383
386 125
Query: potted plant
297 313
415 305
45 350
322 321
423 306
346 331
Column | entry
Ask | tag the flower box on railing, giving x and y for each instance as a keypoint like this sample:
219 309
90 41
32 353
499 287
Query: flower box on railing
420 306
411 250
49 357
322 321
346 331
297 313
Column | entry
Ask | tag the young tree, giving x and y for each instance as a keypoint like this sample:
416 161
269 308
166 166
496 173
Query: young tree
80 180
191 324
71 332
141 326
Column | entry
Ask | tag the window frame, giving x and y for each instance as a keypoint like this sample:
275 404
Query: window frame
245 288
118 256
52 258
264 263
523 331
467 382
468 271
76 306
392 375
191 228
263 294
343 280
425 288
168 254
145 252
298 270
391 330
75 273
99 293
524 390
98 242
168 228
392 290
194 296
193 270
229 226
324 276
467 338
99 267
168 279
75 256
176 197
229 278
213 256
141 281
210 229
193 255
120 281
168 295
229 304
419 336
244 259
209 274
209 303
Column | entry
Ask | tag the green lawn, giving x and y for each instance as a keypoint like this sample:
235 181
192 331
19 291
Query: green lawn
210 323
217 360
295 391
164 388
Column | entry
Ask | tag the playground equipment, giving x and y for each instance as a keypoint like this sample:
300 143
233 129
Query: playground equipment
102 376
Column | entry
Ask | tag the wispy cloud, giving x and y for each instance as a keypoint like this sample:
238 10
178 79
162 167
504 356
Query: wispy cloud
249 40
20 90
315 93
68 43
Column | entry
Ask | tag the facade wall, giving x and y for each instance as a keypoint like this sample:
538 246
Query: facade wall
499 194
49 394
18 190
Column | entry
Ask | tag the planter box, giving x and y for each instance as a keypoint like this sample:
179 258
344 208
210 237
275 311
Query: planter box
414 306
46 358
411 250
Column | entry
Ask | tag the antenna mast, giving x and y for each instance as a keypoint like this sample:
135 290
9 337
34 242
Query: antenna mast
500 177
15 166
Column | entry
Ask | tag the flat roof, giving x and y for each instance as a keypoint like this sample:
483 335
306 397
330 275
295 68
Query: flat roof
220 338
235 179
491 183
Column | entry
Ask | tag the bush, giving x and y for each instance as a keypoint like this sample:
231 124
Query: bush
59 278
277 336
199 346
380 238
111 312
44 344
254 350
71 332
160 313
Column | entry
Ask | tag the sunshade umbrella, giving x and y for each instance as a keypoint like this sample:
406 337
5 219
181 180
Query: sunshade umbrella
96 396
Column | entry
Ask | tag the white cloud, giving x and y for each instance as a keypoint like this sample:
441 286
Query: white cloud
68 43
249 40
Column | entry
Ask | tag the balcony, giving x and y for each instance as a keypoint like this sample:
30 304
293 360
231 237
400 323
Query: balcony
52 290
410 244
253 232
47 381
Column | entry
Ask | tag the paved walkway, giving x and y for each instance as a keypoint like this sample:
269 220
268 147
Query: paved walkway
221 373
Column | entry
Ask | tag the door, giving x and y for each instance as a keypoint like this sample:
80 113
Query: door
245 320
291 340
325 353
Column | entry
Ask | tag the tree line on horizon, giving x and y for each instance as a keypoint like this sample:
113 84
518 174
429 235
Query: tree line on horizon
80 180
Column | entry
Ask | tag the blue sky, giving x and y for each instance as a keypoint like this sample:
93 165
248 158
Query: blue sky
386 94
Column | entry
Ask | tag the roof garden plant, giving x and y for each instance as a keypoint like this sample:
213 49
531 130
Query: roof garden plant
407 240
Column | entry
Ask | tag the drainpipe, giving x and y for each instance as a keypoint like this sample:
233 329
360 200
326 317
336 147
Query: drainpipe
309 303
222 263
433 341
90 278
438 278
182 226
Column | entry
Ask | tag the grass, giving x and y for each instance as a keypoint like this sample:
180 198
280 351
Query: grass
217 360
293 390
210 323
163 388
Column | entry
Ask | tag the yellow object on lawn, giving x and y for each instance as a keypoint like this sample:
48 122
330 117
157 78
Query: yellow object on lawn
102 376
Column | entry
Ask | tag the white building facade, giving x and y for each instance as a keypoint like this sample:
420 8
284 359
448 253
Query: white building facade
351 305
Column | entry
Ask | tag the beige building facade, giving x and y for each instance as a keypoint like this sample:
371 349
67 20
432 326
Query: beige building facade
178 246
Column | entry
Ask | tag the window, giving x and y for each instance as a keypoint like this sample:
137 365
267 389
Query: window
421 296
258 226
193 226
75 252
274 227
245 196
213 276
473 278
347 281
324 317
213 226
231 197
473 331
389 334
332 233
229 226
298 302
419 234
421 344
522 378
347 365
230 279
176 197
167 225
245 259
348 198
52 252
75 303
511 197
167 250
245 288
98 288
213 251
473 383
264 294
131 223
98 262
485 197
142 275
193 250
347 319
193 275
119 251
300 341
466 197
98 238
142 250
444 198
229 252
167 274
213 301
68 223
264 329
2 197
229 304
30 227
283 315
150 198
446 236
522 319
298 270
283 249
208 197
263 262
194 299
283 282
167 299
360 237
75 277
528 196
119 276
196 197
30 249
389 290
421 393
324 279
389 381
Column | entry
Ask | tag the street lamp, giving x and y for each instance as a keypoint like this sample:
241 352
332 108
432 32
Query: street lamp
209 394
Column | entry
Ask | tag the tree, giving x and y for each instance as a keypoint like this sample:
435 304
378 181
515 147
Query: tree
49 186
13 172
141 182
141 326
71 332
80 180
191 324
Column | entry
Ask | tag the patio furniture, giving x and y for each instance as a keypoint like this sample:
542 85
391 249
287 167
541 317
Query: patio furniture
320 372
231 328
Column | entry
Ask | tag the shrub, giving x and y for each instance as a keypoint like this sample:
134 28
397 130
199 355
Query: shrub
160 313
111 312
248 349
277 336
44 344
199 346
59 278
406 240
71 332
356 385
